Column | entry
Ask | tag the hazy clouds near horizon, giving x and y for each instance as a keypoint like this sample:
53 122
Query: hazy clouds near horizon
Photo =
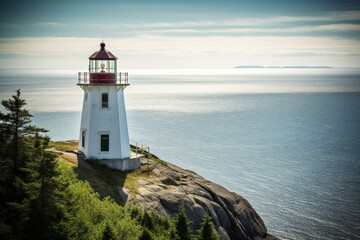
180 34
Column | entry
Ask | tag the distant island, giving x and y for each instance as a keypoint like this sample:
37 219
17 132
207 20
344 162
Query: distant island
256 66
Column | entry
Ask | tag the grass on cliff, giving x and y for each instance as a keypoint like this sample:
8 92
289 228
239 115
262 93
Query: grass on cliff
65 146
67 160
93 217
108 182
104 180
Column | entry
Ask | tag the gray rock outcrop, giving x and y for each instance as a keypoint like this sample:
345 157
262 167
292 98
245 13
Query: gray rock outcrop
170 186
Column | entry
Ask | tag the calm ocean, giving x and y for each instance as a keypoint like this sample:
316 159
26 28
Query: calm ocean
288 140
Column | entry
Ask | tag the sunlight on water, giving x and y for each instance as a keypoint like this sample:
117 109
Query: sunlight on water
186 93
183 89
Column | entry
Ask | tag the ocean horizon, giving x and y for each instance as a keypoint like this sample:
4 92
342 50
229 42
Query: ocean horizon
285 139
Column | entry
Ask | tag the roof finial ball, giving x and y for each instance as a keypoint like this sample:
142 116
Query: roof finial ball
102 45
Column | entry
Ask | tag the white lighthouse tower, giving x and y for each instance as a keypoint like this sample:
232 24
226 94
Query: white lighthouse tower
104 132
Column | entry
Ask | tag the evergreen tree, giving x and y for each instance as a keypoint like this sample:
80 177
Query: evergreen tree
145 235
173 235
182 225
135 212
108 234
5 195
14 126
42 205
207 231
15 132
147 221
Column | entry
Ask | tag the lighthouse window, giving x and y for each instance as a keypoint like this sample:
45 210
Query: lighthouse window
104 100
104 142
83 138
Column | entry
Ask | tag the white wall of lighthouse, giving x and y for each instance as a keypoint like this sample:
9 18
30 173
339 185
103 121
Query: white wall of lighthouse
97 120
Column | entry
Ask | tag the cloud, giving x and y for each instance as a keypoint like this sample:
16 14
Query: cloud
181 45
273 31
340 23
335 27
51 24
344 15
260 21
198 46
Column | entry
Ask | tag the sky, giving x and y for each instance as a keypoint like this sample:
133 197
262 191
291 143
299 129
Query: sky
180 34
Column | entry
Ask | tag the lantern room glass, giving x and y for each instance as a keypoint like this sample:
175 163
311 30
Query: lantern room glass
98 66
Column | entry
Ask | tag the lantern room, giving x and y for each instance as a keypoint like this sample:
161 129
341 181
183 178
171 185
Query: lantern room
102 66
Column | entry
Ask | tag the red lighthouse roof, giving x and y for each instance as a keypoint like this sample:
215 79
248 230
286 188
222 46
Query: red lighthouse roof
102 54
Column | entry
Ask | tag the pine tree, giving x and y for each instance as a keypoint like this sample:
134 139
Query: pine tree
14 126
182 225
15 132
207 231
134 212
15 136
173 235
145 235
108 233
42 205
147 221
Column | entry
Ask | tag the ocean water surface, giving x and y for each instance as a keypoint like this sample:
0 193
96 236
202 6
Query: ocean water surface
288 140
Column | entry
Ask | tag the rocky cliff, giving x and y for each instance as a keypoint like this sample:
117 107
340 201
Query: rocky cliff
170 186
162 187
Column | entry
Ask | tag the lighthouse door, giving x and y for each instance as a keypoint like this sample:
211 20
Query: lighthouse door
104 139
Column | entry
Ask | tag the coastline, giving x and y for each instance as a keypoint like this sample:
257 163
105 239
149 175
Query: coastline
162 187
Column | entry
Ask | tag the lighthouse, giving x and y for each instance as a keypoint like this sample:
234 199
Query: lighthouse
104 131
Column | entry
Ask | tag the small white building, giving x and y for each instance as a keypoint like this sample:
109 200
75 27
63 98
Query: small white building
104 132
